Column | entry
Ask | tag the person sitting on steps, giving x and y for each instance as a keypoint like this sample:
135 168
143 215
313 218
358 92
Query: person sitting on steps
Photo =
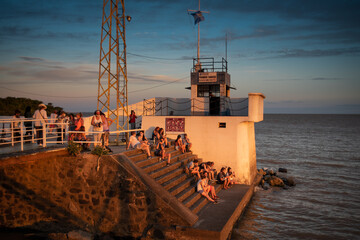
222 178
134 142
204 189
179 145
187 143
193 167
160 151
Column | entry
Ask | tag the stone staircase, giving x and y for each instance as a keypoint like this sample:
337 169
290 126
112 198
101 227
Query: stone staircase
173 178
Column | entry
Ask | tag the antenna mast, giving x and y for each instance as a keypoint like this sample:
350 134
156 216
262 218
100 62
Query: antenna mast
112 81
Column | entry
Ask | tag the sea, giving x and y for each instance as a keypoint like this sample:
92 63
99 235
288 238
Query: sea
322 153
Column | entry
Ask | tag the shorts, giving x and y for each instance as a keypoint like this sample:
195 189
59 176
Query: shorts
157 152
137 146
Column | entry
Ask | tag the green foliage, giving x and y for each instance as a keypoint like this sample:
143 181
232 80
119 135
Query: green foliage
99 151
10 104
73 148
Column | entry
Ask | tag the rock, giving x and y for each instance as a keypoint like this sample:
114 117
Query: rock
291 181
80 235
261 172
267 178
284 170
272 172
276 182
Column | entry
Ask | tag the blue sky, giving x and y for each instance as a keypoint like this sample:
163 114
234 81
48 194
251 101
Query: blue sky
303 55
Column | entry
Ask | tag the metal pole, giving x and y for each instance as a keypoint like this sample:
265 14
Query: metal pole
21 137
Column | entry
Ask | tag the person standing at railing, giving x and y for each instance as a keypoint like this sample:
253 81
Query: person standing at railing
16 126
97 124
61 126
79 121
106 128
40 117
132 120
53 117
28 124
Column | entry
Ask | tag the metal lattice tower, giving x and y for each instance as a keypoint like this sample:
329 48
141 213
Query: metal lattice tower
112 86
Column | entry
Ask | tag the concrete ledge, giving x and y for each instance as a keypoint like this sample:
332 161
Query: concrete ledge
189 217
217 221
26 157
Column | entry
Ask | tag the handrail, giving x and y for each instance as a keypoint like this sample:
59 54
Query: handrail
10 135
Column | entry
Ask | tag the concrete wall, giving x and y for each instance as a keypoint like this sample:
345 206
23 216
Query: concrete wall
232 146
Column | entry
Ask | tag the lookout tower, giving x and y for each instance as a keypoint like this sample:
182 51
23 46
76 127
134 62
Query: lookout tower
210 87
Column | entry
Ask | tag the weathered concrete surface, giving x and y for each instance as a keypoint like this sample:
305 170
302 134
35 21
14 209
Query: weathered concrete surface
62 193
217 220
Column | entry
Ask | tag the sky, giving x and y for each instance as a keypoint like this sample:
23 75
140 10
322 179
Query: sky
304 56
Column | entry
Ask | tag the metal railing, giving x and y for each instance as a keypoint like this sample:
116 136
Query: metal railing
170 107
21 131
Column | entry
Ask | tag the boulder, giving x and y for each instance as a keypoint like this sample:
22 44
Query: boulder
276 182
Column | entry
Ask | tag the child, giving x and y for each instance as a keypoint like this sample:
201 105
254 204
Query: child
160 151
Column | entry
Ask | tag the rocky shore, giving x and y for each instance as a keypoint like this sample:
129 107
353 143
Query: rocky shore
273 178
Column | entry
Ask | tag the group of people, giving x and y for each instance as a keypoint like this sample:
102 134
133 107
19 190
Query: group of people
204 174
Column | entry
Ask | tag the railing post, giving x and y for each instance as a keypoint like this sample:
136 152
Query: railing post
12 134
44 134
21 137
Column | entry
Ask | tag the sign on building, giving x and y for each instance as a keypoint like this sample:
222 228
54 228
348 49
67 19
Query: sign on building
175 124
207 77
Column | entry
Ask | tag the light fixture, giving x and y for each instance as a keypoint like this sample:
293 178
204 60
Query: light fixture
128 18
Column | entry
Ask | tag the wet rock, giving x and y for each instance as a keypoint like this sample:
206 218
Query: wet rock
291 182
276 182
261 172
284 170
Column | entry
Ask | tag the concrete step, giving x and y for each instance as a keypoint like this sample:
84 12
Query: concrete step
181 186
156 165
164 169
199 204
186 193
132 152
175 181
146 162
189 201
172 174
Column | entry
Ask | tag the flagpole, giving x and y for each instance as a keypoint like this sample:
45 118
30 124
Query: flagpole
198 46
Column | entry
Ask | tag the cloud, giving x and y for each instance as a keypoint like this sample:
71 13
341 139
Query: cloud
32 59
303 53
34 70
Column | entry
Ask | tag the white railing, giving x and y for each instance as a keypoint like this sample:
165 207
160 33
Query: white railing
21 131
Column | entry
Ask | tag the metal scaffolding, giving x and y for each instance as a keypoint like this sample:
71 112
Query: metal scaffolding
112 65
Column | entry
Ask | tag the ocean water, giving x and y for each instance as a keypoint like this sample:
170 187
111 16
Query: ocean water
322 153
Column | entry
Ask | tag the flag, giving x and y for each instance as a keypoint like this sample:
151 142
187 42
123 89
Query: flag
198 17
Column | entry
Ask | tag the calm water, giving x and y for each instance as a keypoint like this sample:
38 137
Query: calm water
322 152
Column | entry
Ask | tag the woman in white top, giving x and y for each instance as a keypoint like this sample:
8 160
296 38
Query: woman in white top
203 188
97 124
40 119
